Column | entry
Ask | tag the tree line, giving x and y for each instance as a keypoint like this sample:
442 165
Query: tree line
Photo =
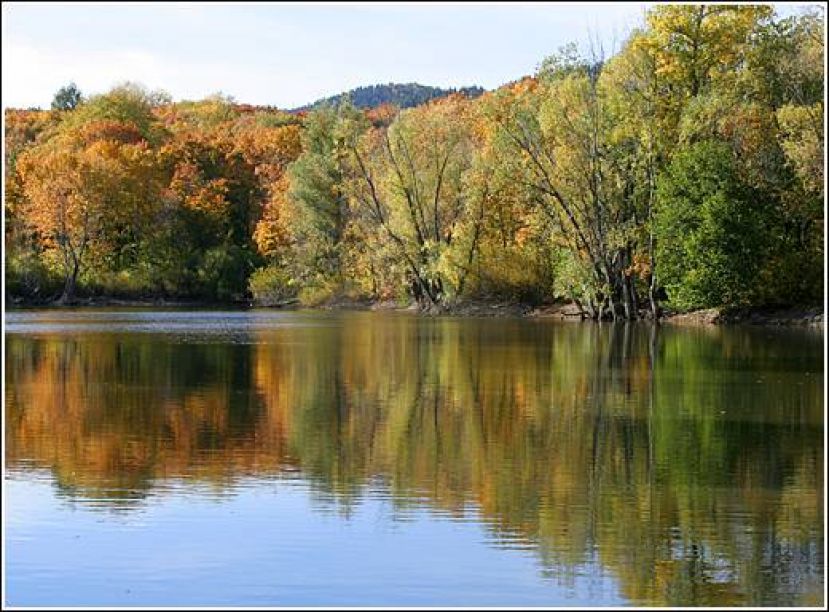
686 170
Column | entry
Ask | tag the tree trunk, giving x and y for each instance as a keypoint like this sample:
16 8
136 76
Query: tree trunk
652 298
589 308
613 303
68 294
628 297
634 297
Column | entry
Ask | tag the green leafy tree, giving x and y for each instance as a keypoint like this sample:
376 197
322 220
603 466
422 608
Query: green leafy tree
67 98
319 207
712 229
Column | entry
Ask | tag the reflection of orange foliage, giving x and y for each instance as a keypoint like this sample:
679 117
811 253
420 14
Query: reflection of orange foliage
556 435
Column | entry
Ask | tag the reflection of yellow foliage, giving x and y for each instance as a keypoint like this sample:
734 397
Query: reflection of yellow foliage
559 436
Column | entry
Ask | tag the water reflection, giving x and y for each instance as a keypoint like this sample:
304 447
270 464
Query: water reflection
685 462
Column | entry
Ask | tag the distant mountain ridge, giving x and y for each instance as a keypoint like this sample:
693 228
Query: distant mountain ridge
404 95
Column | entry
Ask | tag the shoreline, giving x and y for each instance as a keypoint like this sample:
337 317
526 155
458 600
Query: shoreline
787 315
563 311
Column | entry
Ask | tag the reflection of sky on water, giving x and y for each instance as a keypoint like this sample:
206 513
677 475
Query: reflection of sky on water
183 548
176 325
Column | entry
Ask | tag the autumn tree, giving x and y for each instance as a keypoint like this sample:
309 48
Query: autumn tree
71 195
697 45
88 189
559 136
408 181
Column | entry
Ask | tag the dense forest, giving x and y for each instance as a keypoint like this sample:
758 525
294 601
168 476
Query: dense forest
686 170
402 95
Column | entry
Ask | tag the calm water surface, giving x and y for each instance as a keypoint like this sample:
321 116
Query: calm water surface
267 458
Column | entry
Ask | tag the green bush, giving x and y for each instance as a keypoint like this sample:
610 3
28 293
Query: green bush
29 277
316 295
222 272
271 285
712 230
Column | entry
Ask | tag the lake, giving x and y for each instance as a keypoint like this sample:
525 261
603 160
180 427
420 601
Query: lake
267 458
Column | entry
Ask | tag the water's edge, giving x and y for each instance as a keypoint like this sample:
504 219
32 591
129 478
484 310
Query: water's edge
798 315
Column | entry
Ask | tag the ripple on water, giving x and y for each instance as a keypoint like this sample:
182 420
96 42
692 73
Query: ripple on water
184 458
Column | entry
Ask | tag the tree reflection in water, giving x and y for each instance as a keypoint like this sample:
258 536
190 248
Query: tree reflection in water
687 462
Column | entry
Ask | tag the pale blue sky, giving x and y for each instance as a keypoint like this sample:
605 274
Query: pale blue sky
288 55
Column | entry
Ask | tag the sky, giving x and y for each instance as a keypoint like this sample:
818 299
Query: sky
287 55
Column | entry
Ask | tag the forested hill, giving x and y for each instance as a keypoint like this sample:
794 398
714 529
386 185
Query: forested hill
403 95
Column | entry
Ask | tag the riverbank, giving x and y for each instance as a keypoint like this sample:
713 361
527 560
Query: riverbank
792 315
112 302
795 315
564 311
568 311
